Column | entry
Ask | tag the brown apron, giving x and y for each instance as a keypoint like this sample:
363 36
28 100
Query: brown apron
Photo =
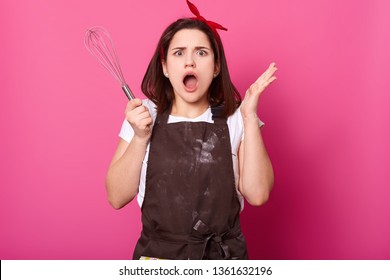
190 209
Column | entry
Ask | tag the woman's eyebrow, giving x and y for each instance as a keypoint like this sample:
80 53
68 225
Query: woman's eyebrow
183 48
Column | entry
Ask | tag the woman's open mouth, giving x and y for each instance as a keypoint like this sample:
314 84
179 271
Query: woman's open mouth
190 82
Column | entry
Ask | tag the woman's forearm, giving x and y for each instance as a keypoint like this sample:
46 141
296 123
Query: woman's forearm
257 177
124 172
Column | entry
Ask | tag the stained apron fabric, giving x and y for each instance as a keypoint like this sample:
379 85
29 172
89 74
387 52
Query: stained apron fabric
191 209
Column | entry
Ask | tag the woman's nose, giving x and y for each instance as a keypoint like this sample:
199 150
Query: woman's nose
190 61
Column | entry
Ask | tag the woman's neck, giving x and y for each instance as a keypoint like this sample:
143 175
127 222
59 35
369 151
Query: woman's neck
189 111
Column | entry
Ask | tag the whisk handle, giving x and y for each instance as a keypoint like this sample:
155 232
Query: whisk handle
128 92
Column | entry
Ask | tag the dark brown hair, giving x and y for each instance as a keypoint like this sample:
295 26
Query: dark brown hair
159 89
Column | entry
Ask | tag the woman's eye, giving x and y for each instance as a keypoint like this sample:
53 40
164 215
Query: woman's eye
178 53
202 53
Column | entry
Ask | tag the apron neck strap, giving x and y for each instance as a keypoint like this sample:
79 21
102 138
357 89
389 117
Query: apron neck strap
217 114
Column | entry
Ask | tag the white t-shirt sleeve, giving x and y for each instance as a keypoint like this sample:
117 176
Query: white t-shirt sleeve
127 132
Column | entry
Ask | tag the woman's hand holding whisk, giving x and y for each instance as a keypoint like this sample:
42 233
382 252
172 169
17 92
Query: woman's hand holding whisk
140 119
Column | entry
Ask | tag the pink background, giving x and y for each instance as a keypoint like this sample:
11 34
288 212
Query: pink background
327 123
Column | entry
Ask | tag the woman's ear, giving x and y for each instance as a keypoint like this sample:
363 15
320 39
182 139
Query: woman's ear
217 69
164 66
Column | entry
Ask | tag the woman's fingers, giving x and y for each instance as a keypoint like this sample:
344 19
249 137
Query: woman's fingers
264 80
134 103
139 117
268 73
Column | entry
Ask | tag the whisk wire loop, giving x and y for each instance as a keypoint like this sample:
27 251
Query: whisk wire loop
99 43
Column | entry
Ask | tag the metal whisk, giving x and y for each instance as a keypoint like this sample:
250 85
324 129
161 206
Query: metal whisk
98 42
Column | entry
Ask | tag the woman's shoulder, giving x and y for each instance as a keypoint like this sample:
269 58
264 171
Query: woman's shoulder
235 119
236 125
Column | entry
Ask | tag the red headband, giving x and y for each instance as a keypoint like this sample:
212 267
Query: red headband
213 25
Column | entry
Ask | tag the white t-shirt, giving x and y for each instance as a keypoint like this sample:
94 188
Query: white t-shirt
236 132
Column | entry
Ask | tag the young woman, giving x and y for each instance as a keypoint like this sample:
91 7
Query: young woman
192 151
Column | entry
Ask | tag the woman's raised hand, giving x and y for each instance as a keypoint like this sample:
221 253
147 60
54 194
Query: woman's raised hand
251 99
